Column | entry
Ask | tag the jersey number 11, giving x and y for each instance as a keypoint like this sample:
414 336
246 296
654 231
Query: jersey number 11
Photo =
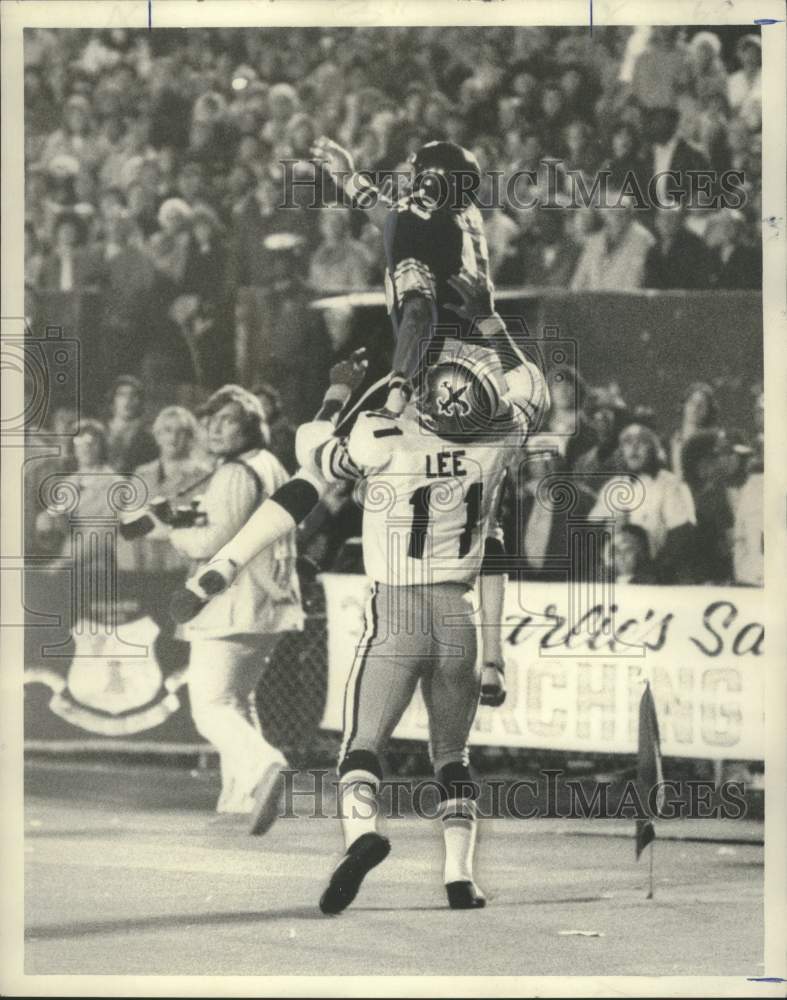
422 512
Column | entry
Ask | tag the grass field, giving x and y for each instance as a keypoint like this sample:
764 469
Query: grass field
129 872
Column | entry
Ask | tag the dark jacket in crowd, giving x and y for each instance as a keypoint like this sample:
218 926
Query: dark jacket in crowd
519 520
686 263
742 269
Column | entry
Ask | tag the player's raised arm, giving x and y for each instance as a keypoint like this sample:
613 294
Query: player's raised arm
363 194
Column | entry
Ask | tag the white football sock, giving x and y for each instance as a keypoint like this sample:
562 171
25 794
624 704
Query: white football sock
459 831
358 804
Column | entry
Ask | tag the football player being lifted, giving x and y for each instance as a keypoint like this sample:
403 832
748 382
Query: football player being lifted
433 236
434 233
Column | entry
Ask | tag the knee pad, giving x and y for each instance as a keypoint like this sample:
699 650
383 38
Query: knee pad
361 760
456 782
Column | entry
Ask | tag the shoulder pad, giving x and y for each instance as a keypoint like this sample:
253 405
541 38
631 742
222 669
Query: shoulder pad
373 438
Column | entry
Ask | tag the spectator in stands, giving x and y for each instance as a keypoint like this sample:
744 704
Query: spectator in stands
679 258
169 247
70 265
627 555
624 160
713 131
735 262
745 86
699 411
535 518
707 76
257 220
190 183
129 276
340 263
668 158
614 258
204 270
660 70
129 444
75 137
648 495
703 461
89 475
234 636
566 426
176 475
550 255
282 105
143 209
608 416
579 150
281 431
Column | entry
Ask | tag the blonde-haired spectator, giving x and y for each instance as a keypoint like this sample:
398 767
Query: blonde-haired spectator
178 474
169 247
707 75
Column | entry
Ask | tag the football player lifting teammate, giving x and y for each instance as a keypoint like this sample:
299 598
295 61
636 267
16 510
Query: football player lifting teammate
431 475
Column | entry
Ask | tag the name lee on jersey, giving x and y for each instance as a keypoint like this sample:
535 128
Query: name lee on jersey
445 463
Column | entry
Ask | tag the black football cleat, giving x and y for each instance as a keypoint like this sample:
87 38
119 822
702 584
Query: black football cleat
364 854
465 896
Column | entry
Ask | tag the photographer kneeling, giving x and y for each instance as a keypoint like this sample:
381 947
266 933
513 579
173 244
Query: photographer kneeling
234 636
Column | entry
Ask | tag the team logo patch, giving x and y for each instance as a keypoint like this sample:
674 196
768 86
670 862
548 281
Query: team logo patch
453 403
114 685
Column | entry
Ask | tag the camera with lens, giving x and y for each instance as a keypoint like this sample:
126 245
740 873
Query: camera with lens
183 516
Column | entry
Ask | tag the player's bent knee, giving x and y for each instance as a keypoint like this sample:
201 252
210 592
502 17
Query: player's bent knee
456 781
361 760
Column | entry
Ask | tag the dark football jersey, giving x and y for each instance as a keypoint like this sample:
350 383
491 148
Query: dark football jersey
423 249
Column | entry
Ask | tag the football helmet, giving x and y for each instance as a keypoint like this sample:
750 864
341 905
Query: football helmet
445 175
458 395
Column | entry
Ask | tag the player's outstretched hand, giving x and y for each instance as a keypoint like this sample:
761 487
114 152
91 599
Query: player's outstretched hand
350 372
476 293
335 158
493 685
212 579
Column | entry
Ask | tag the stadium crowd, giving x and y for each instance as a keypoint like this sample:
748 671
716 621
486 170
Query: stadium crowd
170 169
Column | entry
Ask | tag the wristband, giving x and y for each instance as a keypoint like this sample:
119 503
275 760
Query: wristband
333 401
491 326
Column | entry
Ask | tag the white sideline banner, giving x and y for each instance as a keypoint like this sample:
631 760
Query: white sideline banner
578 688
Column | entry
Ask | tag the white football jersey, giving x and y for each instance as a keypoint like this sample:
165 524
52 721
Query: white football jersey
428 503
